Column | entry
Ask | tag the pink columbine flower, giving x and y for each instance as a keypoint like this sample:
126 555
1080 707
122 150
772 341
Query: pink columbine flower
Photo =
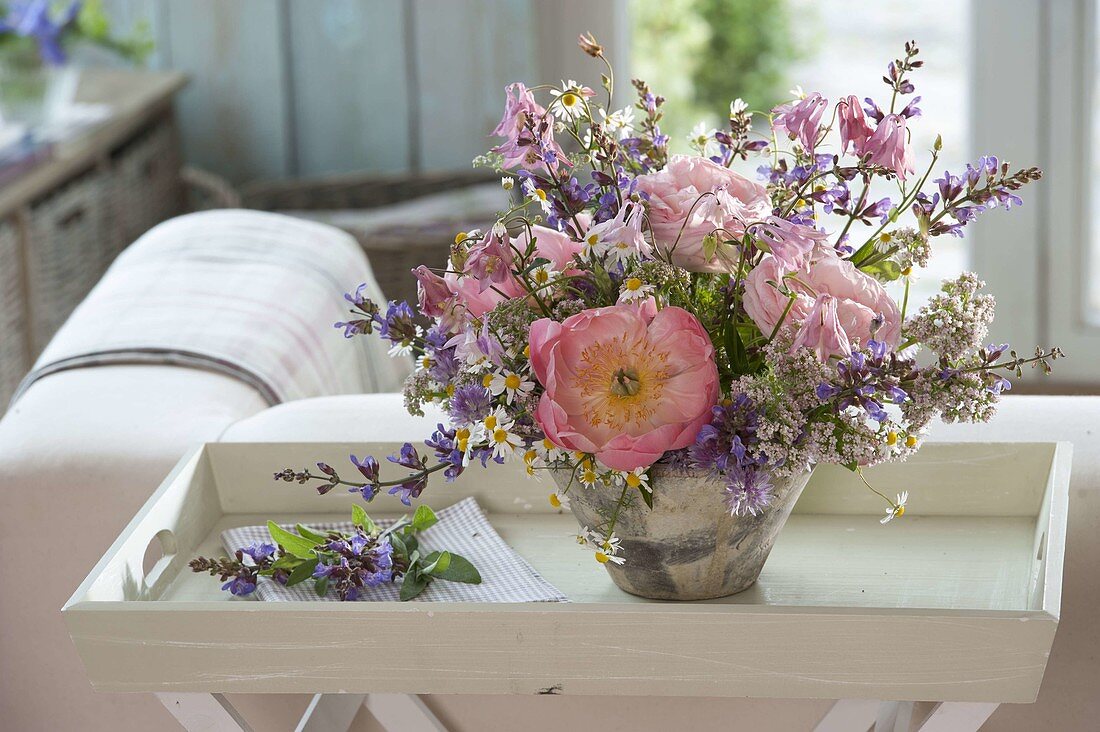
432 292
690 198
625 382
822 331
528 132
861 302
889 146
855 130
490 261
800 119
790 243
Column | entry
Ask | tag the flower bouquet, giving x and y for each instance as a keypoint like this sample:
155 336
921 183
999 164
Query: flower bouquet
677 344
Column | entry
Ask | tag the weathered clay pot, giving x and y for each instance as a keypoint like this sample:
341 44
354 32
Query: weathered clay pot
688 546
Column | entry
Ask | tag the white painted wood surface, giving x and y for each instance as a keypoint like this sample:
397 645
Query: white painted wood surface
944 604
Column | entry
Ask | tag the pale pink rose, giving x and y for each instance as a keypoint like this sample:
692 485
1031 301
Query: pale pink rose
855 130
822 331
550 244
680 219
625 383
889 146
800 119
859 297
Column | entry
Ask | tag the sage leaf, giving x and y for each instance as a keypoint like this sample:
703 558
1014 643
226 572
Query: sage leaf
296 545
459 569
423 518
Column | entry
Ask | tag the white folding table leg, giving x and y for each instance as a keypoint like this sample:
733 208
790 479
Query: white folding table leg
403 713
204 712
330 712
958 716
849 715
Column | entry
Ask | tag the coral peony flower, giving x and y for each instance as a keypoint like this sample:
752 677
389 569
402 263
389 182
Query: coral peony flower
855 130
800 119
859 297
553 245
624 382
681 216
889 146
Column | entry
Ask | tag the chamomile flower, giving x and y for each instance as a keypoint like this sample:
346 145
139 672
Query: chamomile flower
568 101
507 182
510 384
532 461
897 509
404 347
620 122
534 193
637 478
498 433
424 363
737 106
558 499
593 247
700 136
609 550
550 451
634 289
544 275
587 474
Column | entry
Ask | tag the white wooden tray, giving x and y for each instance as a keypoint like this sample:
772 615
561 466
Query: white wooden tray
956 601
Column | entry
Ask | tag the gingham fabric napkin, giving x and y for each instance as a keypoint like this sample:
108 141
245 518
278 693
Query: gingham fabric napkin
462 529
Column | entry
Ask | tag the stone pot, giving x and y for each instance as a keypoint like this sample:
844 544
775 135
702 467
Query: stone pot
688 546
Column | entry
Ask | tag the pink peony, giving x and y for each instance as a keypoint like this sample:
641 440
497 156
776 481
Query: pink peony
625 382
801 118
822 331
859 297
680 219
553 245
889 146
855 130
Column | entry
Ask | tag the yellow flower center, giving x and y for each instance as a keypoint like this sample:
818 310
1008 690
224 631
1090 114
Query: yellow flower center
555 501
511 381
885 237
900 511
602 558
487 380
633 284
527 351
462 438
621 384
426 362
541 276
500 436
491 422
633 480
569 99
589 476
911 441
891 438
540 194
450 389
459 237
592 240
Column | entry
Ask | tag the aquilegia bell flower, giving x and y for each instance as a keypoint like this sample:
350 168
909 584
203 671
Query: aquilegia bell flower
624 382
691 198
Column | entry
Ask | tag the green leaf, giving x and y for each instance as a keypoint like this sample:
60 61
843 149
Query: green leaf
460 570
423 518
647 496
302 572
413 584
360 518
296 545
308 533
398 545
436 563
887 270
320 585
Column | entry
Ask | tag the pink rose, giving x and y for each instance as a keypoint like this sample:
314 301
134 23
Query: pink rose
859 297
625 383
680 219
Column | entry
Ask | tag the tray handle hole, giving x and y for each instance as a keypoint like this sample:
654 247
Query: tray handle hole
158 555
1042 547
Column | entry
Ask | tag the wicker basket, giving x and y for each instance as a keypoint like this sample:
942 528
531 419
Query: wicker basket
147 184
15 356
354 191
69 245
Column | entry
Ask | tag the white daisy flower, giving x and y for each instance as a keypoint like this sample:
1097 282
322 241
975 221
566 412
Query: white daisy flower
507 182
634 289
544 275
700 136
558 499
532 462
637 478
534 193
897 509
620 122
510 384
550 451
424 363
405 347
587 474
568 101
737 106
499 435
592 246
609 550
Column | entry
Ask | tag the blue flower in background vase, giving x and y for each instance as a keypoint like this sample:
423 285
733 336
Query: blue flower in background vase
31 19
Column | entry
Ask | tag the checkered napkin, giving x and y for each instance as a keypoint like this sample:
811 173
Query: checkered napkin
462 529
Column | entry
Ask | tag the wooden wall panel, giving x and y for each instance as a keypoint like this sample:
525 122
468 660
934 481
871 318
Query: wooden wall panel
349 83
